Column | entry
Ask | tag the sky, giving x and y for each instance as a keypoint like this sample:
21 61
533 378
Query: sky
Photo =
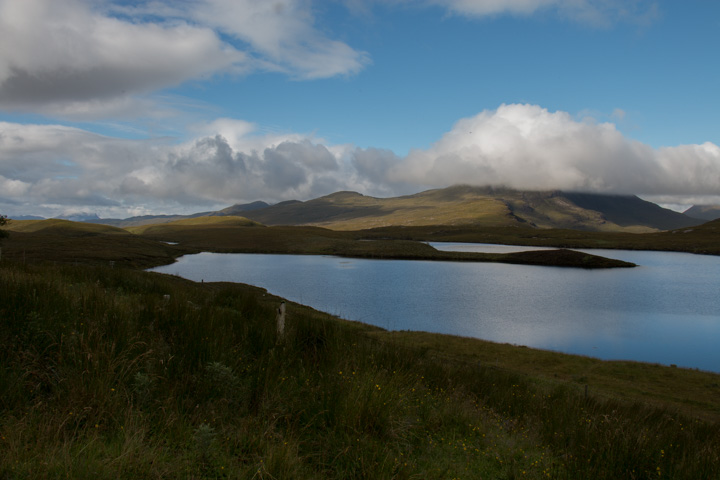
135 107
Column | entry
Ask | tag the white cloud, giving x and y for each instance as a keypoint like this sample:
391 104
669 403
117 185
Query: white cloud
13 188
93 58
54 54
597 12
50 168
283 32
528 147
489 7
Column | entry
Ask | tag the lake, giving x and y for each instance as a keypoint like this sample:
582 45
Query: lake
665 311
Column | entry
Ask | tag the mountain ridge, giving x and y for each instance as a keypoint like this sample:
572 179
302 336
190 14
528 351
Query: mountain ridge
480 206
454 205
704 212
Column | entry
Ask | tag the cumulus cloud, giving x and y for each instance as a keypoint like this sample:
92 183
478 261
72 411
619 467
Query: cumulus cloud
85 58
49 168
529 147
210 171
283 32
526 147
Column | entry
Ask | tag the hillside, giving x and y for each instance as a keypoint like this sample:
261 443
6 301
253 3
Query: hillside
353 211
629 210
64 227
204 221
704 212
113 373
235 210
455 206
477 206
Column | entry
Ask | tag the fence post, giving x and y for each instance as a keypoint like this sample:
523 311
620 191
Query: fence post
280 320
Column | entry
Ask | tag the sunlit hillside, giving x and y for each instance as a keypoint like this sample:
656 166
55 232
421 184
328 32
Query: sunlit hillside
205 221
66 227
477 206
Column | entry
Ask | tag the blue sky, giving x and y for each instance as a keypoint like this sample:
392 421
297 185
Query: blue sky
137 107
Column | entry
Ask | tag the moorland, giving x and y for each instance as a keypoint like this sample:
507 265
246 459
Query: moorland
112 372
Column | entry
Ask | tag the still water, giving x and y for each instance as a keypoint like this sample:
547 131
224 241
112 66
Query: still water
665 311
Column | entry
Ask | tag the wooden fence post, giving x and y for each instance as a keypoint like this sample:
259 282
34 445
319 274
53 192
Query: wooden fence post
280 321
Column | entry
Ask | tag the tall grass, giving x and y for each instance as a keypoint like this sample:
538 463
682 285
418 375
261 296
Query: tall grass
110 373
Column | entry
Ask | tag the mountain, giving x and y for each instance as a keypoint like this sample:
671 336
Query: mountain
456 205
26 217
704 212
236 209
487 206
628 210
144 220
138 221
202 222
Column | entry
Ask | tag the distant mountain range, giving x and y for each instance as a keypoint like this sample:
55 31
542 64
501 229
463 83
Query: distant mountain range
159 219
459 205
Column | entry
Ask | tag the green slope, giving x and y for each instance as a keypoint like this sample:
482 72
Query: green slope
65 227
204 222
477 206
117 374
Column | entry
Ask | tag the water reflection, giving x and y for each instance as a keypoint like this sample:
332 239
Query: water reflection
665 311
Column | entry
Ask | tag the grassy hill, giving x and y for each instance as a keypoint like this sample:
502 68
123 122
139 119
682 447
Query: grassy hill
66 241
701 239
197 222
108 372
453 206
66 227
113 373
160 244
235 210
477 206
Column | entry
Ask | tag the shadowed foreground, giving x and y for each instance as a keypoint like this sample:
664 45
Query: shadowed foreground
114 373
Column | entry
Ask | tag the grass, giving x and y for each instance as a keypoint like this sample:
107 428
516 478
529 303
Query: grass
116 373
703 239
55 225
108 372
321 241
121 250
161 244
478 206
228 220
